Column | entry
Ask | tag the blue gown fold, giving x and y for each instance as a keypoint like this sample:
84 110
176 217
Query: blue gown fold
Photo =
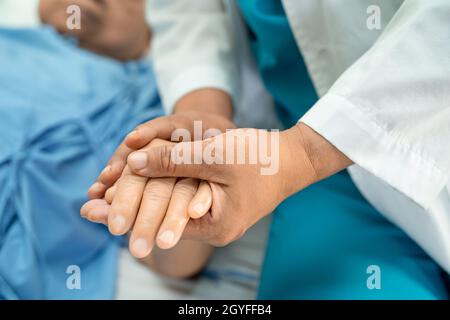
63 111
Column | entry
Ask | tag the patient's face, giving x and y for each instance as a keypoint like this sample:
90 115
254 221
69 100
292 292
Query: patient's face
115 28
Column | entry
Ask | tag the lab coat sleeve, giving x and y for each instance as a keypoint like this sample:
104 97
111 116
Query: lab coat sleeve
192 47
390 111
19 13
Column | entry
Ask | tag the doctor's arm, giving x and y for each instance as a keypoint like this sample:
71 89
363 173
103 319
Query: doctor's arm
390 111
390 114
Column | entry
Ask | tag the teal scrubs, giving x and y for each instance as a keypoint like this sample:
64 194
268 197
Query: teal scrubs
327 242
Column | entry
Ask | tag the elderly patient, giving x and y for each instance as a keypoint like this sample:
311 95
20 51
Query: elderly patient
63 111
144 207
139 205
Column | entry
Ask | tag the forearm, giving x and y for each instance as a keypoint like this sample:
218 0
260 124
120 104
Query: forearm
209 100
185 260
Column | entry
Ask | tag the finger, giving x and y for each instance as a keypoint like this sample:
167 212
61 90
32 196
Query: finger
100 214
161 127
130 191
155 202
110 193
96 211
201 203
201 229
111 173
184 159
118 161
97 191
207 227
126 202
88 206
115 166
177 216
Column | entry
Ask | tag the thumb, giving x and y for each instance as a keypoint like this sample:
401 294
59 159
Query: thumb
184 159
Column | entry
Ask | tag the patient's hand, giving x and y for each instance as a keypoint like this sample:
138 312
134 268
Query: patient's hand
114 28
153 208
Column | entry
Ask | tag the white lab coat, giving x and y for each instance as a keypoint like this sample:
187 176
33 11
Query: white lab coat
385 93
19 13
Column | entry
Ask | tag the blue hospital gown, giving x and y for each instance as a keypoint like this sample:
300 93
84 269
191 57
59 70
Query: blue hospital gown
63 111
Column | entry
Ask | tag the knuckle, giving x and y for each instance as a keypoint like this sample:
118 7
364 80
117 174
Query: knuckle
165 160
161 183
157 195
158 190
133 179
178 121
145 224
185 187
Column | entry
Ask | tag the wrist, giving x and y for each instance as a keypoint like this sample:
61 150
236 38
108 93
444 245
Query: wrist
310 158
325 158
297 170
208 100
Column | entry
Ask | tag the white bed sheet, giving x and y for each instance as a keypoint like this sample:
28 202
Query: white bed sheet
244 258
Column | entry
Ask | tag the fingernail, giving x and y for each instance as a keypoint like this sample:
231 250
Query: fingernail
118 224
107 169
132 134
141 248
83 210
167 237
138 160
95 187
198 208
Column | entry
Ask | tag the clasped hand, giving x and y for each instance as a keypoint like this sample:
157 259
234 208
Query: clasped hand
162 201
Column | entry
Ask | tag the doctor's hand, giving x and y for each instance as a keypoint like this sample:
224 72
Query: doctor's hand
211 108
245 188
114 28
